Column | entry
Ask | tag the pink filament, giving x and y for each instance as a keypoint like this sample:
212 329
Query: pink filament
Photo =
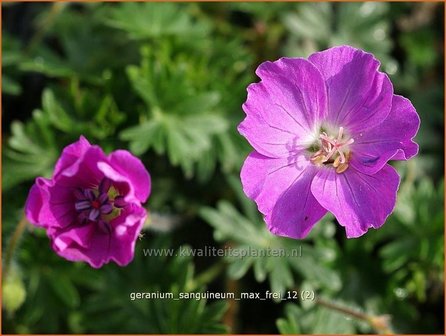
332 145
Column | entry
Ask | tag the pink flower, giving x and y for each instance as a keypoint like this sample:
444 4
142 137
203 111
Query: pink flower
323 130
91 207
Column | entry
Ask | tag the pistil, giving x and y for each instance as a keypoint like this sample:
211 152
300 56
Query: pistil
95 204
333 150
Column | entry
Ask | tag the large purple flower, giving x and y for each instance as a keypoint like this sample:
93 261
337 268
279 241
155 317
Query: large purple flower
323 130
91 207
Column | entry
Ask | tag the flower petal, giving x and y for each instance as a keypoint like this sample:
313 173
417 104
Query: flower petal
133 169
83 173
281 189
37 202
71 238
358 201
71 154
118 246
283 109
254 173
49 205
359 96
96 246
391 140
79 194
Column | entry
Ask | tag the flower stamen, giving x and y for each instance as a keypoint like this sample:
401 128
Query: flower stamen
97 205
334 150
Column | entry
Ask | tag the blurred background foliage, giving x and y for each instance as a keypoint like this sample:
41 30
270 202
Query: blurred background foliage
167 81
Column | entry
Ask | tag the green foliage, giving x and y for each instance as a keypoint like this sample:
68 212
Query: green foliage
415 261
151 275
314 27
33 148
154 21
85 56
11 57
63 286
317 320
183 121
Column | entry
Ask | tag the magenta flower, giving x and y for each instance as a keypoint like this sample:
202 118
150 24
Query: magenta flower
91 207
323 130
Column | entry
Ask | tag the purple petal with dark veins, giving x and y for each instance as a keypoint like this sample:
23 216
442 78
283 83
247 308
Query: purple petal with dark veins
79 194
359 96
357 200
281 190
391 140
104 226
284 107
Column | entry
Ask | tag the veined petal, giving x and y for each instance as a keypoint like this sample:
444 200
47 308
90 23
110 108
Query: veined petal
357 200
284 109
84 172
281 189
254 173
359 96
391 140
96 246
131 167
118 246
49 205
36 207
71 154
72 237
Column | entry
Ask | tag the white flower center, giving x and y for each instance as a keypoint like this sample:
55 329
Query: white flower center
333 150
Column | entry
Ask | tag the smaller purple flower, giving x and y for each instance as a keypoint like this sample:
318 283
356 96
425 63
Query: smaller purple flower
91 207
323 130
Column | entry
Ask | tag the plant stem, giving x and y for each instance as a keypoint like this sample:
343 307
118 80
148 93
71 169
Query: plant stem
13 242
230 317
380 322
207 276
46 24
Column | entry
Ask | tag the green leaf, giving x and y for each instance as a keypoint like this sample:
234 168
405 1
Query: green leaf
289 325
31 151
150 20
66 291
317 320
10 86
182 124
317 26
150 275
